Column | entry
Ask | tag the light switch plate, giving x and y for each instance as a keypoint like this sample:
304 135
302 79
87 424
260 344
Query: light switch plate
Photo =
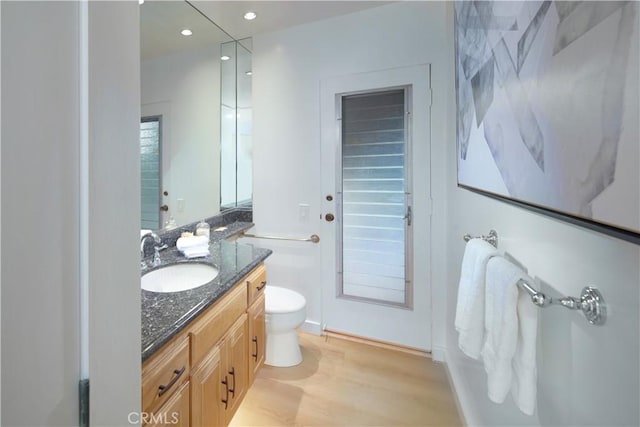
303 211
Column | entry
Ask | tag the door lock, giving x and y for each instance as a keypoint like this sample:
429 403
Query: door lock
329 217
164 208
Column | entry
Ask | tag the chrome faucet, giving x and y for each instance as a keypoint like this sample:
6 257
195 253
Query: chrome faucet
156 254
155 237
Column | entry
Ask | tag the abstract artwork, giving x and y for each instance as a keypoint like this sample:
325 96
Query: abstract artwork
547 107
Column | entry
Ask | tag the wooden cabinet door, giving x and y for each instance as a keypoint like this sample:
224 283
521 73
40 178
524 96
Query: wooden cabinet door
207 391
237 364
175 412
256 337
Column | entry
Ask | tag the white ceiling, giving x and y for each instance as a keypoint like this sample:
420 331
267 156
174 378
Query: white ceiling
275 15
161 23
161 20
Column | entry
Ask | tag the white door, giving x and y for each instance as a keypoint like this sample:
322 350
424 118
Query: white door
159 208
376 205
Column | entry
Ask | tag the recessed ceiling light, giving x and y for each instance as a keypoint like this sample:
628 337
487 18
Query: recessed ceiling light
225 58
186 32
249 73
250 16
140 1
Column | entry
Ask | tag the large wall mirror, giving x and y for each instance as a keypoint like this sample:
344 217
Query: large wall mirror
195 143
237 142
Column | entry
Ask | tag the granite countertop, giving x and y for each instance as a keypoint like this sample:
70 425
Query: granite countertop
166 314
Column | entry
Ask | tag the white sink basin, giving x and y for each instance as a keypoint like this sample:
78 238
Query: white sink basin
178 277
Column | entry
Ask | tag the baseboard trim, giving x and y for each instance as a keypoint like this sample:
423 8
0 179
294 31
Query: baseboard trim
377 343
439 354
311 327
462 398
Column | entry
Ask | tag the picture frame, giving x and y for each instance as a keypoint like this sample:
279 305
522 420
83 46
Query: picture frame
547 109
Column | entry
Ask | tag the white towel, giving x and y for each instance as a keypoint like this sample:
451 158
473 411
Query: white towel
511 324
192 242
525 371
469 320
193 246
501 325
196 252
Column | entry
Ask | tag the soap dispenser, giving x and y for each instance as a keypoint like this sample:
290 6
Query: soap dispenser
203 229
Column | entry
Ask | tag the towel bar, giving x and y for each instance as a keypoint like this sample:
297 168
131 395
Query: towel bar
313 238
590 301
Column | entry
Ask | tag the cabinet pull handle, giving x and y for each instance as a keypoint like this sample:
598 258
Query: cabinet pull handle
255 354
162 389
262 285
232 390
226 386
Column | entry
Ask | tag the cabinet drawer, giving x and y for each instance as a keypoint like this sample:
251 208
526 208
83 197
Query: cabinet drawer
165 373
216 321
174 413
256 282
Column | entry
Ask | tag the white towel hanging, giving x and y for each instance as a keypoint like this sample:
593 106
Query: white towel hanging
470 308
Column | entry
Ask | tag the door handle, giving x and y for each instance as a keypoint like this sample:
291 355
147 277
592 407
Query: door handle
329 217
409 216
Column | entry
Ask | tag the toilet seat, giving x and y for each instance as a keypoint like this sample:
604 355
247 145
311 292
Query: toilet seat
282 300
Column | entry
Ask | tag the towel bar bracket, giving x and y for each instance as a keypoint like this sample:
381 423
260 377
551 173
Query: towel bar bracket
491 238
591 302
593 306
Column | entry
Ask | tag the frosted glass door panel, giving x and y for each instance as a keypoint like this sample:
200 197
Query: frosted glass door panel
374 195
150 165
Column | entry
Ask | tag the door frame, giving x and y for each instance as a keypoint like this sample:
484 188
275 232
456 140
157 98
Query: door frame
407 327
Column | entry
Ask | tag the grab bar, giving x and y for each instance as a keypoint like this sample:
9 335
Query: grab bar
591 301
313 238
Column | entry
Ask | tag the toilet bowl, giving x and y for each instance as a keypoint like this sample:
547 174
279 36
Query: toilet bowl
285 311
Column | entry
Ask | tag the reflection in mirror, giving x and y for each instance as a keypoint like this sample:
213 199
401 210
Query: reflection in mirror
236 119
180 124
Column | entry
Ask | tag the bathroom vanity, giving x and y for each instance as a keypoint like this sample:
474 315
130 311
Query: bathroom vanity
201 348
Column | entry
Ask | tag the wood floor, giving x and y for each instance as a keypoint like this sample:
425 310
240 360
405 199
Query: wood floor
343 383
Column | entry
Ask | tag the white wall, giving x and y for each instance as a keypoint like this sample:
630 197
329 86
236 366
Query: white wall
45 107
114 211
288 67
587 375
185 88
40 350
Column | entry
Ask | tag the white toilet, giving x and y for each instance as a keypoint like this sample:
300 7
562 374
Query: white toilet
285 311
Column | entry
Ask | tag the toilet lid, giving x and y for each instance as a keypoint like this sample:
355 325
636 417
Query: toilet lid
282 300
